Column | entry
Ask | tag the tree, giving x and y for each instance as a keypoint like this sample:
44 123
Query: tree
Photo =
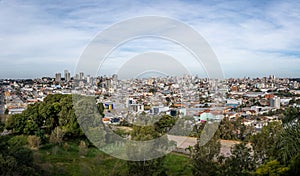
294 165
15 159
146 167
291 114
67 118
233 130
226 129
42 118
16 123
288 145
165 123
240 162
203 157
6 111
101 109
264 143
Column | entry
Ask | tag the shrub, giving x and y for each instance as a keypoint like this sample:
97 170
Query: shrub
66 146
34 141
56 136
18 141
83 149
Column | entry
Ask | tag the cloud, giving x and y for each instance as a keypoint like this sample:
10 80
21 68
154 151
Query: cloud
250 38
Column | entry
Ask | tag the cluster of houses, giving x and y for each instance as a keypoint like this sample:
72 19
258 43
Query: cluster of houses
255 100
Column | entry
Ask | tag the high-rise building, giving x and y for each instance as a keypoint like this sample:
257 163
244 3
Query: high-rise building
88 79
115 77
57 77
67 76
77 77
81 75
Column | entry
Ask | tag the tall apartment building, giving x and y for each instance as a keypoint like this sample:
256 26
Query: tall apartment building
67 76
57 77
81 75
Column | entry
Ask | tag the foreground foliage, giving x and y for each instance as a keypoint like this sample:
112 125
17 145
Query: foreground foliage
47 137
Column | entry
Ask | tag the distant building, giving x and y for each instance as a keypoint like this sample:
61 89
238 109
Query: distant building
233 103
158 109
296 85
136 107
58 77
115 77
234 88
88 79
129 102
77 77
81 75
16 111
275 102
67 76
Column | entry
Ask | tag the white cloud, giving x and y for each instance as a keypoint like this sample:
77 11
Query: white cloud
250 38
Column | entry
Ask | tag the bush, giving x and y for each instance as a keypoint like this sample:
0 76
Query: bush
56 136
66 146
34 141
83 149
18 141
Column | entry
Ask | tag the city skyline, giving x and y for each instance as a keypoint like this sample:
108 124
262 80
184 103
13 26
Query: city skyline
65 75
252 39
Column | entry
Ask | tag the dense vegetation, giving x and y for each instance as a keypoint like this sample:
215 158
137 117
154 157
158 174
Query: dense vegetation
46 139
42 118
273 151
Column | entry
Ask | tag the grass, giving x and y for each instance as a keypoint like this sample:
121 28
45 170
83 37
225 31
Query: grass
66 159
177 164
61 160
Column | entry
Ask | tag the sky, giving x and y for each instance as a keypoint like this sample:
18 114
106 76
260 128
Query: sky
250 38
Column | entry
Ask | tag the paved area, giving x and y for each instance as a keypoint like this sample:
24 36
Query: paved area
184 142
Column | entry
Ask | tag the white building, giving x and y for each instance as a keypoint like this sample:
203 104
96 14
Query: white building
275 102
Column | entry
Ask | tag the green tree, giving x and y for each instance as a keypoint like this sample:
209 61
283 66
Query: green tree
291 114
15 159
42 118
6 111
204 156
264 143
67 118
288 145
240 162
146 167
226 129
165 123
272 168
294 165
101 109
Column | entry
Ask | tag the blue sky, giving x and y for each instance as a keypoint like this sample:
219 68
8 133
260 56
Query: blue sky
250 38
